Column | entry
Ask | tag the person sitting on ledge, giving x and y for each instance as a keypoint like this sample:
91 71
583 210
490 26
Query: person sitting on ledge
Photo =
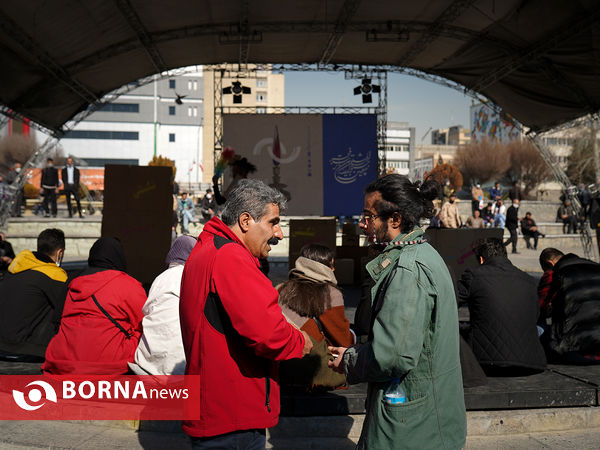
33 294
102 319
475 221
503 309
530 230
573 301
311 301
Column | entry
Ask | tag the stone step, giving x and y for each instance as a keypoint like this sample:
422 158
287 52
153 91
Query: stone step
540 210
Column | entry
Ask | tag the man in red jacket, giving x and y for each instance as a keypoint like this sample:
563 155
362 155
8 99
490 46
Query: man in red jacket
232 326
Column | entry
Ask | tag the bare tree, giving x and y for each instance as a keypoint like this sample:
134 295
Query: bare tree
526 165
482 161
580 164
443 172
16 148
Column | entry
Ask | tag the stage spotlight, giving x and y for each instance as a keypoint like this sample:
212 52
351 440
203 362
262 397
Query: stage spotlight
179 98
366 88
237 90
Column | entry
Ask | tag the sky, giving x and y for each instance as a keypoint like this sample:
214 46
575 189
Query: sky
423 104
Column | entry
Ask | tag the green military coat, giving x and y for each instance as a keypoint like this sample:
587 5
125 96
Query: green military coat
414 337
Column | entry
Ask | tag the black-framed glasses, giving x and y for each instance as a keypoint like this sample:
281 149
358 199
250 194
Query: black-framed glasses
366 218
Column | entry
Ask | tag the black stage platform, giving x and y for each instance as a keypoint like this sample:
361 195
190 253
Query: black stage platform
559 386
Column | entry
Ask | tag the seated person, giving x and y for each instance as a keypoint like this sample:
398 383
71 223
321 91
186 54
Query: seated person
548 258
487 214
574 296
7 253
530 230
102 319
566 215
208 205
503 309
499 214
311 300
160 351
475 221
33 293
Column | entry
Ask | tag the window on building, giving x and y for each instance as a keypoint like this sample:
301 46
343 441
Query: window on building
171 137
103 134
192 111
120 107
195 111
171 84
261 82
171 110
261 97
261 110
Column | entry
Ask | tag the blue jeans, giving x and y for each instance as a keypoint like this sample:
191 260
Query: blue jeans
186 218
237 440
499 220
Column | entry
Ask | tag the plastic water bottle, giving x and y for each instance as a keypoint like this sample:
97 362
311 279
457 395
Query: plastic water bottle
394 394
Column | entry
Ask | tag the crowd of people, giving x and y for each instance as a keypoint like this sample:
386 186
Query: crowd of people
212 311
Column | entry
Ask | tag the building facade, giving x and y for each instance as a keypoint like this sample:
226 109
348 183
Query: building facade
399 143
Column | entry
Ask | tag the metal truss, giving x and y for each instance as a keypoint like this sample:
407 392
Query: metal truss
435 30
54 136
569 189
130 14
347 11
13 189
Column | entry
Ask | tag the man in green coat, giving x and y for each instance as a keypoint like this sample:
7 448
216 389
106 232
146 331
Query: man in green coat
413 335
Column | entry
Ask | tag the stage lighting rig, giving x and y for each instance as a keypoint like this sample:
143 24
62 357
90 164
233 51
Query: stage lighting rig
366 88
237 90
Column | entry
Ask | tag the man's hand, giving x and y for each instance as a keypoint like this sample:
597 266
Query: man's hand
338 354
308 345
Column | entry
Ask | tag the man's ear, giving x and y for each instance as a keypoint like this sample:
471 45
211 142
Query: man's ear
481 260
396 220
244 221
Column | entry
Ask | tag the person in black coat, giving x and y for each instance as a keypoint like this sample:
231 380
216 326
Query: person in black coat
512 222
33 293
504 308
575 297
49 187
530 230
70 179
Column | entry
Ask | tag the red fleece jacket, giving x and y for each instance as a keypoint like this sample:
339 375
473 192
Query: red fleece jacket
88 343
233 332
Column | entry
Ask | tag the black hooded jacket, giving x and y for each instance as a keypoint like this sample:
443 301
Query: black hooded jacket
576 306
504 309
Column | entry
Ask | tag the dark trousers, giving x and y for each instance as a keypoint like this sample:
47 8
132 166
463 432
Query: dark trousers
535 235
512 239
18 204
570 225
236 440
49 197
71 189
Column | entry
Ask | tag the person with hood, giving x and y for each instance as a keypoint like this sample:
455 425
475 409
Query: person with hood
311 295
311 301
160 351
102 319
32 294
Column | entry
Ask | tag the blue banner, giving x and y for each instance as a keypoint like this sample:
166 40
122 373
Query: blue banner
349 161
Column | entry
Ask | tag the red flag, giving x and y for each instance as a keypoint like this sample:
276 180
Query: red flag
276 147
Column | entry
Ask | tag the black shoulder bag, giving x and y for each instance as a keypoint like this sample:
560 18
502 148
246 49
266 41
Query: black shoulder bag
117 324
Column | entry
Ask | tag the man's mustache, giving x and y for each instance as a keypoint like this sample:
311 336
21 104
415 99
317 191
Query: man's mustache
273 241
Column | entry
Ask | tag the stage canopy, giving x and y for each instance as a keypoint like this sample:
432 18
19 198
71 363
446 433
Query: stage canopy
537 59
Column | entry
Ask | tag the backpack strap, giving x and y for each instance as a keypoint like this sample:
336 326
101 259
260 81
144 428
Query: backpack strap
105 312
